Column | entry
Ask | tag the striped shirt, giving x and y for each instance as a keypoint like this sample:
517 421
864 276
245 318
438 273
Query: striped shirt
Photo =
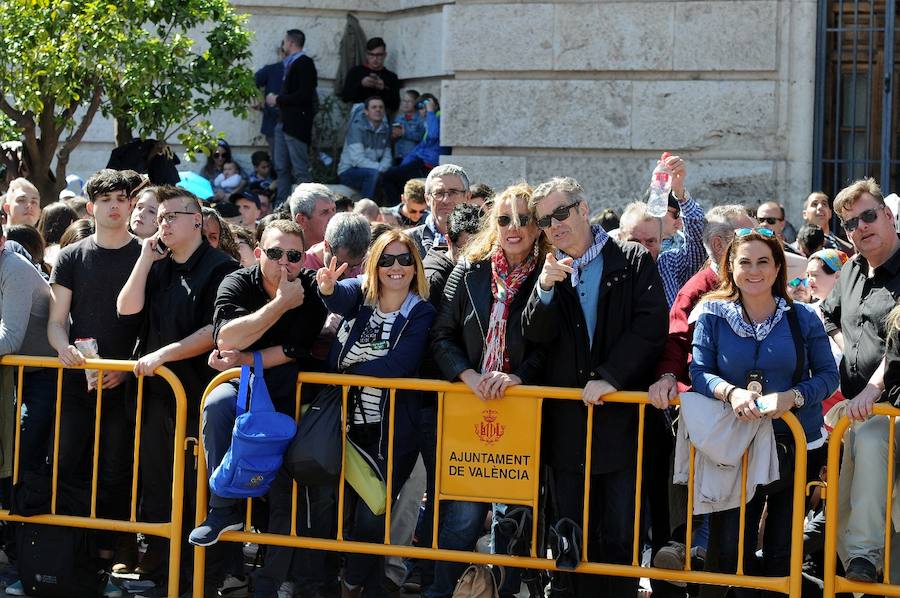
373 343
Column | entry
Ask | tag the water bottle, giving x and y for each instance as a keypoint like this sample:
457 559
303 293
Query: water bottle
660 185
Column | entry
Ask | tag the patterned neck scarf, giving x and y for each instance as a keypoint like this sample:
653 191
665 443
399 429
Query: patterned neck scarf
733 313
600 239
505 284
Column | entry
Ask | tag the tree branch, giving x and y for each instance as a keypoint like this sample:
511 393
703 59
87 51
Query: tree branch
17 117
72 141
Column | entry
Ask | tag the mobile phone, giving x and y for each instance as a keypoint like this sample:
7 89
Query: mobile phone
161 247
767 403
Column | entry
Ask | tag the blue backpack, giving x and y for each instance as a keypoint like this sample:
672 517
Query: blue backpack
258 443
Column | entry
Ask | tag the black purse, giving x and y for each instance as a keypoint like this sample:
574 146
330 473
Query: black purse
315 456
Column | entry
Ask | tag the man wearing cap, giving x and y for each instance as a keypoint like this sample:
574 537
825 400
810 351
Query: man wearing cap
249 206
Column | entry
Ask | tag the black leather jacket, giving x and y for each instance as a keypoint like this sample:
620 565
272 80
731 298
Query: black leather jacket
459 333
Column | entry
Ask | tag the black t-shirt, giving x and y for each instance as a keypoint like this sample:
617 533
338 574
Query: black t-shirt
242 293
95 275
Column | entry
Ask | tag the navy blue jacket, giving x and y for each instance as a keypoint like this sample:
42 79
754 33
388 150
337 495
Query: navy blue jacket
408 342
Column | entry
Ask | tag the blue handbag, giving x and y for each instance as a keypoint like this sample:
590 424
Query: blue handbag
260 438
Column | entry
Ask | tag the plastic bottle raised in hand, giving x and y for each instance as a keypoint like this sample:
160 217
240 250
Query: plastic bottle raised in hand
660 185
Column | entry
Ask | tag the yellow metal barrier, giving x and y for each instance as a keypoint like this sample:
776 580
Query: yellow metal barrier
447 391
833 582
170 529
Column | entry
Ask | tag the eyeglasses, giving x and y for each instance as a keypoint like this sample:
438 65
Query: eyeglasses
218 154
559 214
293 255
743 232
169 217
447 193
769 219
868 216
798 282
505 220
387 259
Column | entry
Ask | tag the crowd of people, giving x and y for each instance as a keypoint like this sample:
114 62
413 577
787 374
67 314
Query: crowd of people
392 134
494 290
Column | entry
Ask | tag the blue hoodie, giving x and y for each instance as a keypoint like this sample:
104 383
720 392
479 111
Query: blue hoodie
408 343
429 149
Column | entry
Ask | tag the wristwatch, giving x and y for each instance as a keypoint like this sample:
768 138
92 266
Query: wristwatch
798 398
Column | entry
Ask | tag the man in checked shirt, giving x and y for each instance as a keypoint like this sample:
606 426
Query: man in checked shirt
682 260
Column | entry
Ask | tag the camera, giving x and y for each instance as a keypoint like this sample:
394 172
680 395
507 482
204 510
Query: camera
420 105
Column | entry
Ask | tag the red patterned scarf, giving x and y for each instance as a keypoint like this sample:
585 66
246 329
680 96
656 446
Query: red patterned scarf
504 286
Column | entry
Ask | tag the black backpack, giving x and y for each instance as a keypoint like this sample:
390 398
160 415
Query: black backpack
58 562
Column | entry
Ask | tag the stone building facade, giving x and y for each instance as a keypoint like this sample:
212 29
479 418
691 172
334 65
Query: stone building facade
592 89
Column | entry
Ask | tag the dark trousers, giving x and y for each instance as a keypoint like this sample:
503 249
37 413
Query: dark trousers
38 407
394 178
157 455
611 527
116 450
315 506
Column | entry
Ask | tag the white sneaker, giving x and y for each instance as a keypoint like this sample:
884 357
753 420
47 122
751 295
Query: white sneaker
16 589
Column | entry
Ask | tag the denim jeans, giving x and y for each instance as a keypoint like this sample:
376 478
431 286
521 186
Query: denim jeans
461 524
315 506
291 160
363 179
776 539
395 178
38 405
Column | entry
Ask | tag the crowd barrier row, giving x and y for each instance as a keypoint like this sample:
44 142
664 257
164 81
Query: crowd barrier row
509 429
170 529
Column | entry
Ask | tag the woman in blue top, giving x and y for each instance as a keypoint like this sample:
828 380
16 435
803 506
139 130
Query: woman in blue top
384 333
745 355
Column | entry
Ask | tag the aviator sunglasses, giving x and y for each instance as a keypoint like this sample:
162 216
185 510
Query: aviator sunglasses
293 255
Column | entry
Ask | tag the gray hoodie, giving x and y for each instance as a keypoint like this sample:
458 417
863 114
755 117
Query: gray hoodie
366 146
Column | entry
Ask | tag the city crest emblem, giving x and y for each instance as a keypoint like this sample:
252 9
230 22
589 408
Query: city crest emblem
489 430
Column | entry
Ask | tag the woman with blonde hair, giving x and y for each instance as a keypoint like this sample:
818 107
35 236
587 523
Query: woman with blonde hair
477 338
384 333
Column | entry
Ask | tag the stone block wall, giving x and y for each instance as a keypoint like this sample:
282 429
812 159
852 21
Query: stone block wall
597 90
592 89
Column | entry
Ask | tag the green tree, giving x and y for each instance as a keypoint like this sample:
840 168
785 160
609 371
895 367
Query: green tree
158 67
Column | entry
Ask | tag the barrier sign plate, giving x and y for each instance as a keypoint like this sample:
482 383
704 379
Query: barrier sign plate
488 447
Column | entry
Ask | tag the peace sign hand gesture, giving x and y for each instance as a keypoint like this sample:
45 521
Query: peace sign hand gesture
327 276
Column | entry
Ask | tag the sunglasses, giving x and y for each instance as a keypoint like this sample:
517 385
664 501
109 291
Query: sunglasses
799 282
559 214
868 216
293 255
769 219
743 232
676 214
505 220
387 259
